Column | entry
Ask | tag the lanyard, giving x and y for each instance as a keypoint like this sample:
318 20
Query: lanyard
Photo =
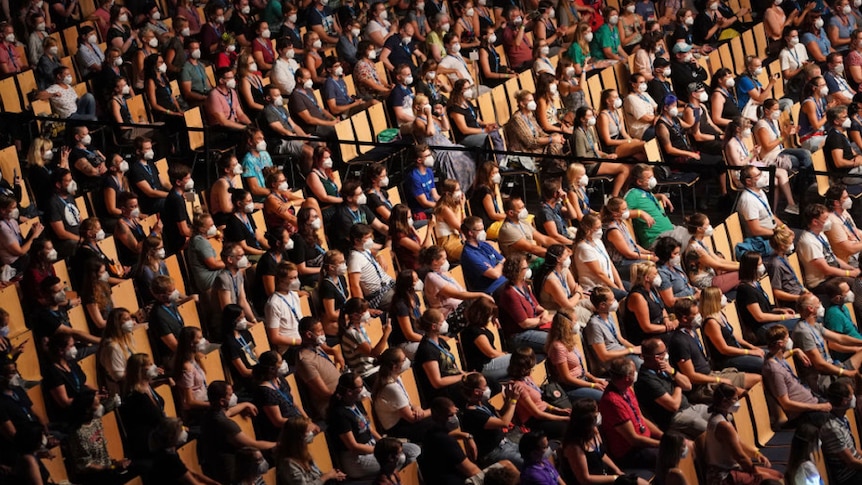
358 216
247 224
246 347
374 264
266 46
526 294
652 198
15 230
786 264
691 335
286 302
821 345
339 287
174 313
771 125
360 417
851 228
229 98
631 242
449 355
73 209
605 257
764 204
563 283
830 257
728 95
589 140
745 151
615 119
530 123
762 291
634 410
287 397
610 326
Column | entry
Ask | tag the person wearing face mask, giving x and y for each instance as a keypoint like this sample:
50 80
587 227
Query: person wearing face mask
203 262
353 210
705 267
350 431
841 26
165 319
241 228
276 123
399 418
190 375
89 56
630 437
50 318
317 365
223 107
844 237
756 311
675 283
673 139
304 247
406 241
142 408
62 215
646 314
128 231
239 350
486 423
663 391
229 286
175 52
64 100
335 96
375 181
332 289
798 401
687 357
442 291
483 265
648 210
47 62
436 87
368 82
313 60
348 43
793 58
16 406
435 367
95 294
837 317
449 213
843 460
468 128
658 77
442 459
116 347
399 49
167 435
87 164
294 462
640 109
524 134
566 364
754 206
607 42
402 97
516 44
360 352
602 336
366 272
818 342
321 20
283 311
64 382
221 438
620 243
211 32
312 117
273 396
193 81
518 236
177 224
710 24
685 70
38 33
87 448
537 469
14 245
404 313
149 46
840 154
523 320
786 283
820 264
631 25
88 249
42 257
255 163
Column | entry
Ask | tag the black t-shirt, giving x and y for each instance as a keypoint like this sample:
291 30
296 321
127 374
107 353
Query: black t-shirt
330 291
140 416
683 346
17 408
400 308
343 219
74 381
311 255
343 419
44 322
267 396
747 294
148 174
473 421
241 348
167 468
173 213
215 449
265 267
237 230
429 352
648 388
474 357
376 200
836 140
440 458
469 115
477 207
164 321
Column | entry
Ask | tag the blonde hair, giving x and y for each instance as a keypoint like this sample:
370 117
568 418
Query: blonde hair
418 101
639 272
572 173
710 301
37 148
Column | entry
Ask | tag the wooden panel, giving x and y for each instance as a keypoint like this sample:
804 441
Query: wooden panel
38 402
11 302
189 455
173 264
123 295
245 424
9 95
89 366
344 133
734 231
189 312
141 341
386 255
56 466
261 341
760 415
193 120
362 130
112 436
501 105
744 425
378 118
62 272
167 394
319 450
213 367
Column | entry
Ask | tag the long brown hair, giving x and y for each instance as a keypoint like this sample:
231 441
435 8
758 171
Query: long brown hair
561 331
292 445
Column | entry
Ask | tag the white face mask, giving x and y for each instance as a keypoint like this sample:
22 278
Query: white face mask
174 296
445 267
613 19
444 327
67 80
362 199
100 235
531 106
72 187
308 84
71 353
283 187
847 204
703 97
529 274
327 163
656 281
316 224
186 32
429 161
99 411
202 345
154 42
252 67
746 133
584 180
673 112
123 18
283 369
243 262
492 39
847 9
591 122
230 83
597 236
642 87
317 44
468 93
818 23
626 215
53 50
242 324
730 82
372 54
408 80
368 244
827 226
761 270
667 72
320 339
821 311
846 124
723 301
128 326
232 401
735 407
196 54
52 255
341 270
418 285
248 208
652 183
523 214
850 297
189 185
212 231
92 39
104 277
545 50
588 37
261 146
152 371
294 285
163 68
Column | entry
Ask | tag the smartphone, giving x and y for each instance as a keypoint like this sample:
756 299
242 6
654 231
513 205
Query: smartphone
776 75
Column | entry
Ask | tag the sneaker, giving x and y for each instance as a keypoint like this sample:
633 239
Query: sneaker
792 209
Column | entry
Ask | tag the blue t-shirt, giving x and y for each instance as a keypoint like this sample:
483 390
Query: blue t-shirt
477 260
336 88
253 167
821 40
418 184
646 10
675 279
843 30
323 17
744 84
401 96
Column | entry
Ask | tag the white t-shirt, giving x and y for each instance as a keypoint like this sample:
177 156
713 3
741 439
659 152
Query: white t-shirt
839 233
283 312
585 253
810 248
755 205
371 274
66 104
387 403
282 75
457 63
793 58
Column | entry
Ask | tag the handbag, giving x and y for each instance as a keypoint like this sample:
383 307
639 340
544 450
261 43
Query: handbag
555 395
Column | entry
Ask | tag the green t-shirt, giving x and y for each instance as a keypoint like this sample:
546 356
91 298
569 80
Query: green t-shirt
639 199
272 13
577 54
838 320
605 37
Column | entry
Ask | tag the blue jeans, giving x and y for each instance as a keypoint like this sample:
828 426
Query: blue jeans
86 108
576 393
496 369
506 450
619 294
801 159
789 324
744 363
535 339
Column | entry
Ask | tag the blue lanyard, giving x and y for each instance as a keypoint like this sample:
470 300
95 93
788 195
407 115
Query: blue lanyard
742 146
530 124
246 347
174 313
292 310
357 216
320 352
826 248
72 208
589 140
692 336
652 198
850 227
287 397
610 326
605 257
247 224
762 291
443 350
563 283
374 264
786 264
764 204
634 410
525 294
360 417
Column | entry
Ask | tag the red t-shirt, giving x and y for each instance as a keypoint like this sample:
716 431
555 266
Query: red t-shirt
617 410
